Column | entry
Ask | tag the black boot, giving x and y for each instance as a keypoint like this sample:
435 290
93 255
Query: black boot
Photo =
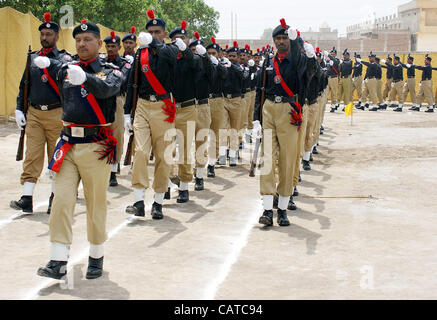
54 269
199 184
306 165
366 106
282 218
25 203
321 131
337 106
118 168
156 211
275 201
414 108
211 171
383 106
49 209
315 151
233 162
398 109
183 196
332 109
291 204
373 109
267 218
137 209
113 180
295 192
360 107
311 157
95 268
429 110
167 195
393 105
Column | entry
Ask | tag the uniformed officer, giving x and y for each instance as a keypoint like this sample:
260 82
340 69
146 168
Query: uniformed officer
112 49
88 89
388 81
203 82
425 86
397 85
378 83
282 117
333 72
410 84
43 118
357 79
232 90
371 84
155 113
217 106
129 43
345 84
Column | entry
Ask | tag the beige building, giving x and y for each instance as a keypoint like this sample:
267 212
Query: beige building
324 33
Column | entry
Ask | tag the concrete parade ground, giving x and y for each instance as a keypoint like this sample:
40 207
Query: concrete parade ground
365 228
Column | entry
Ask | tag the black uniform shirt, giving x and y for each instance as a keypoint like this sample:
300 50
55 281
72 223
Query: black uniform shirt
372 69
187 67
358 70
334 69
234 80
204 78
411 71
220 74
346 68
389 74
426 72
396 70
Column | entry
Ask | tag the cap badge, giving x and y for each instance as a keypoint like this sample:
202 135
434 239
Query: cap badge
84 27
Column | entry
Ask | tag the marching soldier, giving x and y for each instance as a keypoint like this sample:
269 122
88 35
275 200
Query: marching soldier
129 43
112 48
344 86
282 117
43 118
425 86
333 72
397 73
88 89
154 115
388 81
203 81
378 83
357 79
410 84
217 106
371 84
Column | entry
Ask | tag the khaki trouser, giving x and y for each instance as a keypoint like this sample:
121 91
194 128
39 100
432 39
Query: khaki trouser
333 88
203 123
43 127
232 116
344 90
149 134
119 128
245 111
80 163
300 145
218 121
379 90
387 88
283 137
311 123
410 86
252 96
396 90
370 87
425 92
321 109
357 83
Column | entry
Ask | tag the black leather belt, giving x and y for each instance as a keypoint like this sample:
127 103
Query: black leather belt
412 77
426 79
203 101
233 95
215 95
45 107
155 98
81 132
279 99
185 104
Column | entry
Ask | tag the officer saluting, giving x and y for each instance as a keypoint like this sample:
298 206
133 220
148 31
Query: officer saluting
425 86
333 73
370 80
410 84
344 86
43 118
88 90
357 79
397 81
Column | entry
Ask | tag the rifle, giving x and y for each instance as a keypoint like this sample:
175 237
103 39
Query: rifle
128 156
261 103
20 148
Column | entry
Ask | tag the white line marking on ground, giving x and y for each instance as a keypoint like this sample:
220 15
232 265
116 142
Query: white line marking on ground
231 258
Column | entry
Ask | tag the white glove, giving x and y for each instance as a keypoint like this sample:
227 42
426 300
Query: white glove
251 63
382 60
20 119
309 50
145 39
257 130
127 124
129 59
214 60
292 34
200 50
42 62
341 61
331 63
325 53
408 65
76 75
227 63
180 44
252 76
364 82
261 63
358 60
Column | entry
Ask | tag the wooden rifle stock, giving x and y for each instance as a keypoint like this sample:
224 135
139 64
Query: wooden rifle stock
128 156
20 149
261 104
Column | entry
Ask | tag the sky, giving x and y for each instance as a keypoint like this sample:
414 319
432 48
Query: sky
254 16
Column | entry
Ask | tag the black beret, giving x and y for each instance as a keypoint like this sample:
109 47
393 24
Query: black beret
213 45
154 21
234 48
181 30
86 26
47 24
130 36
112 38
